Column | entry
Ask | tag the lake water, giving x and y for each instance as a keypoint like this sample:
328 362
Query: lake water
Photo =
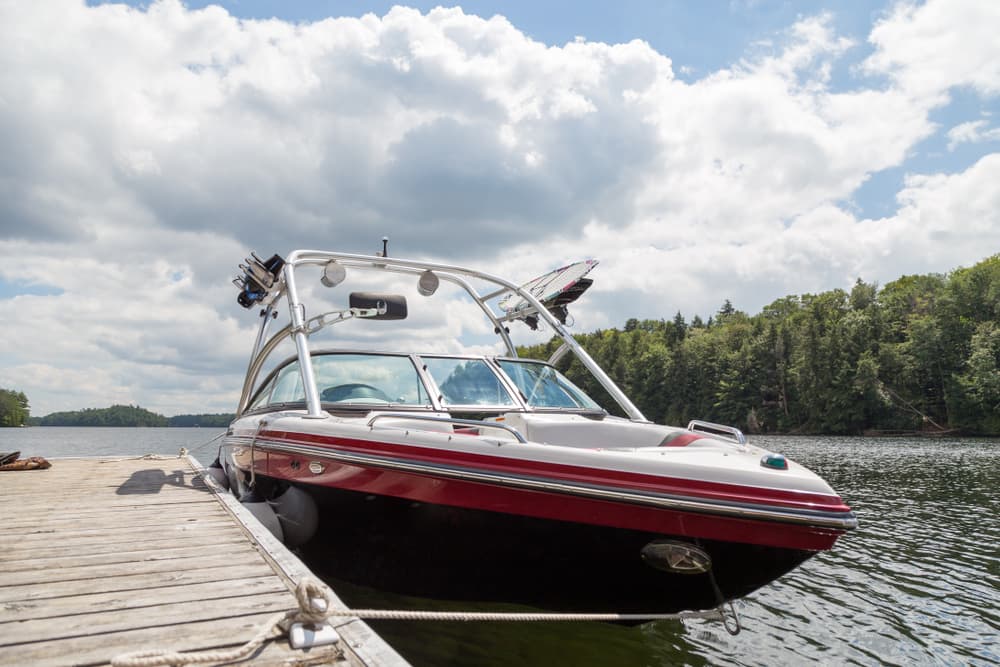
918 583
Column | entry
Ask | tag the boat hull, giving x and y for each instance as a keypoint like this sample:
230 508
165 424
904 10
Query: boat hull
435 551
459 539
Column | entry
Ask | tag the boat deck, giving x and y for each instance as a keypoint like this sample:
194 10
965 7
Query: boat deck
102 557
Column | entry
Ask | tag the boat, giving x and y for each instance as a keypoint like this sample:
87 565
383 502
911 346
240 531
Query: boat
476 474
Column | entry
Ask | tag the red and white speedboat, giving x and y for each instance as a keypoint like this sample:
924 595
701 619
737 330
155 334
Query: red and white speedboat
489 476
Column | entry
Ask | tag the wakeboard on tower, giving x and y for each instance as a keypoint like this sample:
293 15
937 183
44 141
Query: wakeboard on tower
554 290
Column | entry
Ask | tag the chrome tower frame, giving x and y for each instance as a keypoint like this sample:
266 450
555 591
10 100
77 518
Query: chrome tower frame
299 328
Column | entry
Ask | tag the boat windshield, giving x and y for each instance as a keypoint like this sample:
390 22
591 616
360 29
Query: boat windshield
467 382
372 379
350 378
544 386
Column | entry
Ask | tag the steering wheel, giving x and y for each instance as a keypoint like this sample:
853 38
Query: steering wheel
343 392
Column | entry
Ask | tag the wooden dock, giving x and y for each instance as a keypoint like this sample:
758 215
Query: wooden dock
102 557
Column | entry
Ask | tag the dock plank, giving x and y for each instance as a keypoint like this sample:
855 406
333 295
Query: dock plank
71 556
221 532
104 557
67 575
111 619
68 605
12 595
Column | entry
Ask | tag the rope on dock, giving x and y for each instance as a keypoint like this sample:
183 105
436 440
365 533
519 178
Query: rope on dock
156 657
277 626
315 596
314 608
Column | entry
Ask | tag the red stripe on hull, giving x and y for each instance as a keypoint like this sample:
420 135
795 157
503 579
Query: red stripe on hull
608 478
545 505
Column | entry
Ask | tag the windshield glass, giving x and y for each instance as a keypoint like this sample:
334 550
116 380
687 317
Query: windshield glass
352 378
467 382
544 386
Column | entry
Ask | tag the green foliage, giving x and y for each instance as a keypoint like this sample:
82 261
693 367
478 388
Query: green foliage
921 353
219 420
116 415
13 408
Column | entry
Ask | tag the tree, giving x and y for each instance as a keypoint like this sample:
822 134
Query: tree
980 383
13 408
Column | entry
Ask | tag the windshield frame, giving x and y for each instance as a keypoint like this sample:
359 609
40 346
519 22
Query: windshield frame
263 399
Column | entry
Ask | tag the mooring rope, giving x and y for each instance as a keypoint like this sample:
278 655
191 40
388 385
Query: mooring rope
206 444
314 608
184 451
311 594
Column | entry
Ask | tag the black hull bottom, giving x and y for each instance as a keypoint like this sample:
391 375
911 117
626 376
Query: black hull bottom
433 551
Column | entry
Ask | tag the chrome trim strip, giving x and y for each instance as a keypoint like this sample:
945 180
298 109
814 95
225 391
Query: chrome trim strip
801 517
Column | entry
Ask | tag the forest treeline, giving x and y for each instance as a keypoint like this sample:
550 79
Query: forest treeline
216 420
920 354
128 415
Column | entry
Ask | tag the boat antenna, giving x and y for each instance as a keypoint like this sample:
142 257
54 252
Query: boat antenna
385 246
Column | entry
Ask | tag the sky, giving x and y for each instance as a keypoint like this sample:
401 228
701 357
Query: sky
742 150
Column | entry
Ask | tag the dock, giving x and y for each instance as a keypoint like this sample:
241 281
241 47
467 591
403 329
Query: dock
105 557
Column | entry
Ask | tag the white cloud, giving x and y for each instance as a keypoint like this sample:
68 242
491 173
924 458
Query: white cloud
932 47
146 151
975 131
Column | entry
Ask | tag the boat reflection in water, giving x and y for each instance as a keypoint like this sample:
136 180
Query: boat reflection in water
489 476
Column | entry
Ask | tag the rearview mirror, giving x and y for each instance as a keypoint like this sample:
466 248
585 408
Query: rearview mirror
389 306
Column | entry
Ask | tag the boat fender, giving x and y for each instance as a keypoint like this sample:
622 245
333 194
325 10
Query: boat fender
262 511
297 514
216 472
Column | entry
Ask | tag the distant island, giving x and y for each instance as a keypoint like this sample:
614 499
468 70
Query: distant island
128 415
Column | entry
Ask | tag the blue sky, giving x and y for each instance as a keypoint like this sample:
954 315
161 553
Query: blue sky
742 151
703 36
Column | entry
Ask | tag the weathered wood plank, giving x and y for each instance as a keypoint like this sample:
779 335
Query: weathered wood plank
137 529
122 600
130 582
140 518
86 573
142 616
65 518
73 558
101 497
224 533
22 514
